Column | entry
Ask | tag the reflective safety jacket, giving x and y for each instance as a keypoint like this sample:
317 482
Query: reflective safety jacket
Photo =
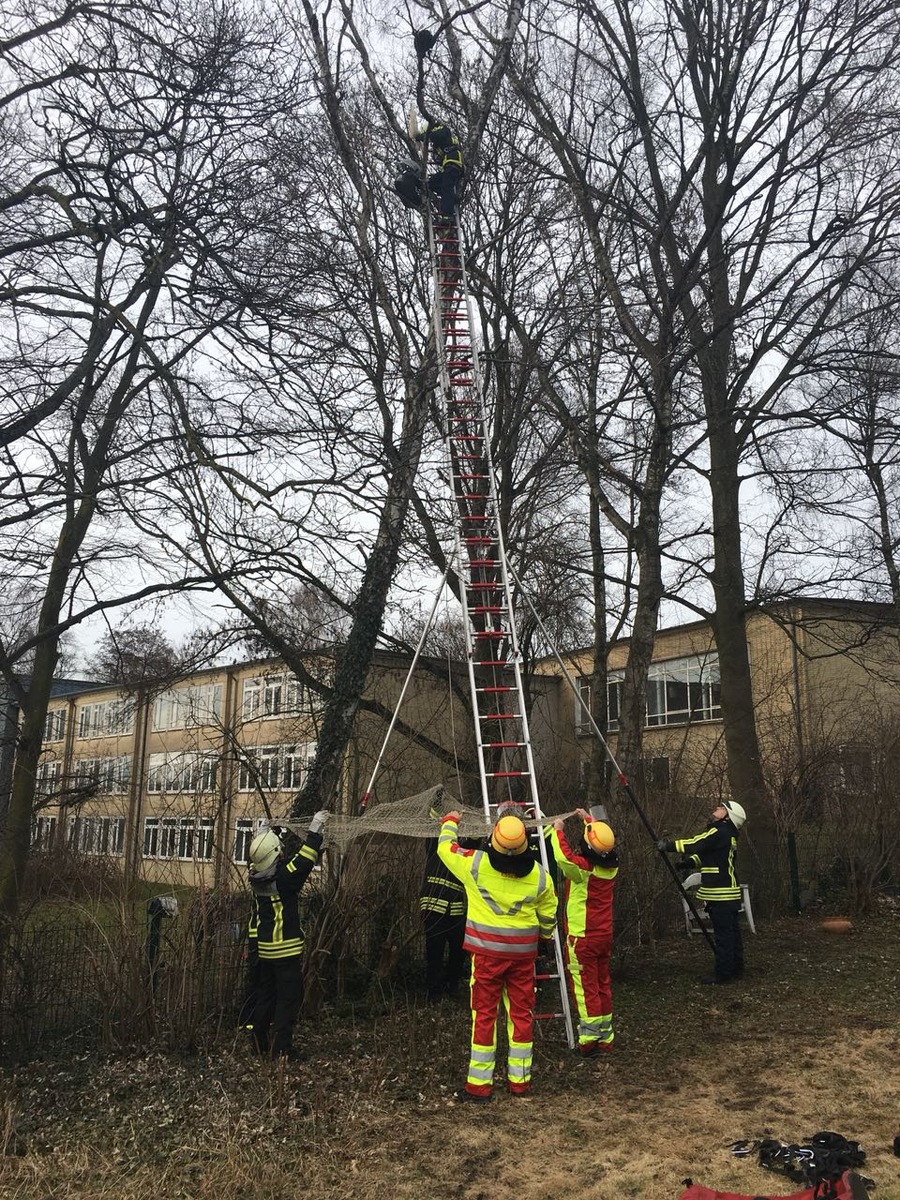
276 902
713 852
442 894
588 892
446 146
507 914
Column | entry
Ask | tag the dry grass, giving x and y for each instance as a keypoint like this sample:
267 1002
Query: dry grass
810 1041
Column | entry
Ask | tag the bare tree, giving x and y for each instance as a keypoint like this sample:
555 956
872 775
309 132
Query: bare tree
735 150
130 135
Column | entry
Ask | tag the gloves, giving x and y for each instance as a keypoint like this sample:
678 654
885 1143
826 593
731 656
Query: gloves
665 846
317 824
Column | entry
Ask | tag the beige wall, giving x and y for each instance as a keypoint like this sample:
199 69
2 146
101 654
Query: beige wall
196 815
822 676
821 673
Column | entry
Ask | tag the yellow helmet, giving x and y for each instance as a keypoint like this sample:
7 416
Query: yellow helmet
509 836
599 837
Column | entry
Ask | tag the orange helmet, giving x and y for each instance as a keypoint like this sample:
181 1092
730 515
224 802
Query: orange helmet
599 837
509 836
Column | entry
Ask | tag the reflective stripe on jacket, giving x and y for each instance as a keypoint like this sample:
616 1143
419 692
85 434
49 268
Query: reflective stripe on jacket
276 903
713 852
442 894
447 145
507 914
588 891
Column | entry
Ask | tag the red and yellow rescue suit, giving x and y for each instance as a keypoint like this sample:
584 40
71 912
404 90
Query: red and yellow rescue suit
507 914
590 881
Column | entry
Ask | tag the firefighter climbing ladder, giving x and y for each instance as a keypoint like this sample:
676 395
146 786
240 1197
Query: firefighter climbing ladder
505 760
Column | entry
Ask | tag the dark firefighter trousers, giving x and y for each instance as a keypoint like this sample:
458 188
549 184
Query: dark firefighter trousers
278 997
729 945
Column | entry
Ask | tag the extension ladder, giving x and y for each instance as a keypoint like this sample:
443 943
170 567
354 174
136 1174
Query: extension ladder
503 741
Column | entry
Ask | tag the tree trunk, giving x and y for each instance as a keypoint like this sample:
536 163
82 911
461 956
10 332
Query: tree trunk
352 668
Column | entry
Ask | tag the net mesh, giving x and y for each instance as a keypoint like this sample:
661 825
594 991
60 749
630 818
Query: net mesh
414 816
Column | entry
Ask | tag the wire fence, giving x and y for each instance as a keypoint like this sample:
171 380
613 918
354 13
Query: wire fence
70 984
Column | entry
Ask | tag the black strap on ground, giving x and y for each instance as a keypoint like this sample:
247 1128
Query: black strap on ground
818 1161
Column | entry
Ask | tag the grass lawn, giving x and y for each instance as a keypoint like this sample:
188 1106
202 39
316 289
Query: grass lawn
809 1041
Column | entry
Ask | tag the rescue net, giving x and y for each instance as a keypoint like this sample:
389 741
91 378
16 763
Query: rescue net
415 816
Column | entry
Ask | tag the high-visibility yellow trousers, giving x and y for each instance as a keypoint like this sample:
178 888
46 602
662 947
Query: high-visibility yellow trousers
587 960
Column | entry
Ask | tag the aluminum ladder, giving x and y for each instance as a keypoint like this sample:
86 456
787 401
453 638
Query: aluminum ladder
505 759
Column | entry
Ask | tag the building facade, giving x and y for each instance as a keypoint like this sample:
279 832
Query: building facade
825 677
176 783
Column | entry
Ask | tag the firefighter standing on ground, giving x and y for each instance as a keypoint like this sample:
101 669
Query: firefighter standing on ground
713 852
511 906
590 873
275 914
442 902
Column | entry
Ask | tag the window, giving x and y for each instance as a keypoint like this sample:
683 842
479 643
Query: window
296 762
187 839
182 771
150 847
251 705
167 711
293 694
48 776
678 691
273 691
582 724
168 837
244 832
613 697
105 717
43 832
107 775
97 835
682 690
55 725
203 704
195 839
272 695
259 769
188 707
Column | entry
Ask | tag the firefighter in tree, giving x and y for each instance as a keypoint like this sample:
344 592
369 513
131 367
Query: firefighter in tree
589 872
447 154
275 915
713 852
511 906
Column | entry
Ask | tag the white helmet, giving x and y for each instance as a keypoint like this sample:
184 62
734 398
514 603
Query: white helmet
264 850
735 812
